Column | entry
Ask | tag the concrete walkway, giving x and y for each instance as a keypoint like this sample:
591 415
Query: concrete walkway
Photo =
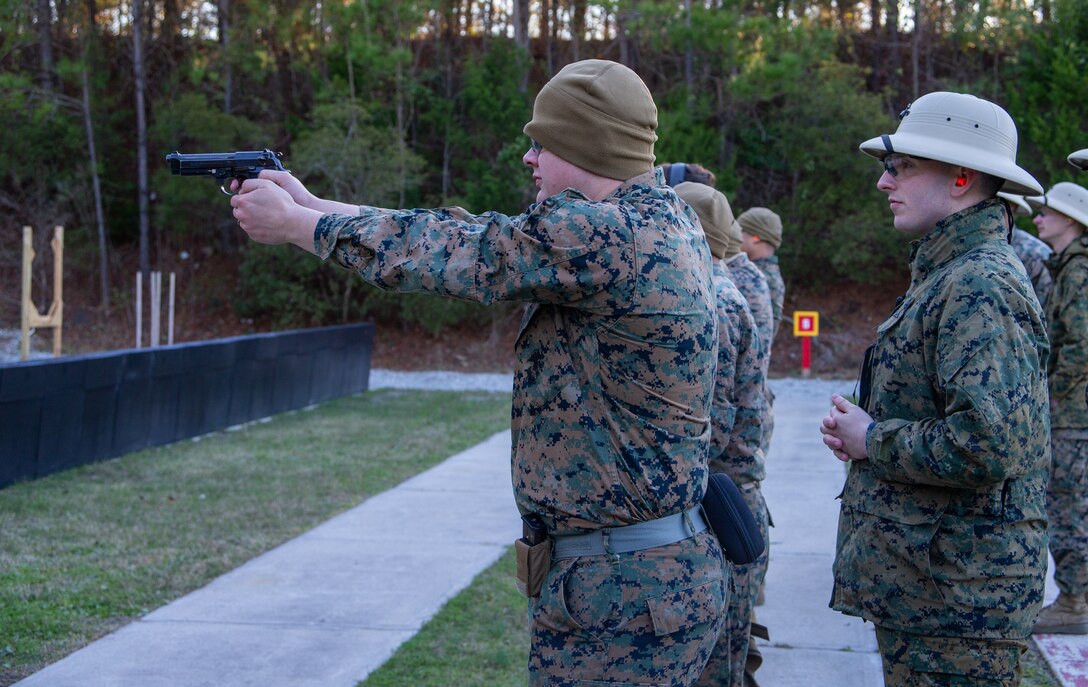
329 607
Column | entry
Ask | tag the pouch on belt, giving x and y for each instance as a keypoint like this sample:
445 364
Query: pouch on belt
732 520
534 556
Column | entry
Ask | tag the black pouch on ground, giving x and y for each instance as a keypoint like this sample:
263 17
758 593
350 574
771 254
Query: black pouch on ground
732 521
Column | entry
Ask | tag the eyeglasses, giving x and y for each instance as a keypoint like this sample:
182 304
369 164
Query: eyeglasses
899 164
535 146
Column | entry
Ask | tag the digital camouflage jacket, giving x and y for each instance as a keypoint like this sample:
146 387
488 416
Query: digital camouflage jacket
615 357
942 531
1034 254
1067 322
739 403
769 267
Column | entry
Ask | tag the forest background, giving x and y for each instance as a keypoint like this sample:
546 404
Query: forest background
420 103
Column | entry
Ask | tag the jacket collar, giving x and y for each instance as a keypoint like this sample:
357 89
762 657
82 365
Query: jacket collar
956 235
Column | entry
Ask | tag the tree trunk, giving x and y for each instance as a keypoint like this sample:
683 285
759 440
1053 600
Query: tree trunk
578 28
142 190
100 218
45 44
916 48
689 54
402 133
626 53
553 50
876 48
546 36
521 37
224 54
894 50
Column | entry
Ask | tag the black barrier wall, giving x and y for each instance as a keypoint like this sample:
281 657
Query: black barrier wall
57 414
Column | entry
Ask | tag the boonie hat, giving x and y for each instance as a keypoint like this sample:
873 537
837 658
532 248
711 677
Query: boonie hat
958 129
1079 159
1067 198
598 115
1019 205
764 223
716 216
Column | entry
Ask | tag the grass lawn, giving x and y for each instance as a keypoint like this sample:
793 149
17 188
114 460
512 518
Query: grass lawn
478 639
85 551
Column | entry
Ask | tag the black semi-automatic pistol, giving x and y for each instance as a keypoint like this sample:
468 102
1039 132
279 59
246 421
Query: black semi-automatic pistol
241 165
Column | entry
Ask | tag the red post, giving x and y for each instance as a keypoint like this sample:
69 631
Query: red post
806 355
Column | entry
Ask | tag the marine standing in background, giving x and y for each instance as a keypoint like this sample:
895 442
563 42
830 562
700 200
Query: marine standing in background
1031 251
1062 219
1079 159
942 531
614 369
753 285
736 418
761 238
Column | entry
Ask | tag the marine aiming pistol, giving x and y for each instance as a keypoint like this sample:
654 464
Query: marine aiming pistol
241 165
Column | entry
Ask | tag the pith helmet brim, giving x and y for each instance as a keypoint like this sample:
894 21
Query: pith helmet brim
1017 180
1079 159
959 129
1067 198
1019 205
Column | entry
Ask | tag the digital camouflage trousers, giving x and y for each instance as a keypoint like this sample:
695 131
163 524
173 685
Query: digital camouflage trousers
919 661
1067 511
726 665
649 617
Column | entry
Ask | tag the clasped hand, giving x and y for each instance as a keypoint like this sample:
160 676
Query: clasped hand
844 430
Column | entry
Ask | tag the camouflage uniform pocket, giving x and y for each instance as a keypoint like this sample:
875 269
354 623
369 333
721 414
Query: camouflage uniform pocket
952 661
686 608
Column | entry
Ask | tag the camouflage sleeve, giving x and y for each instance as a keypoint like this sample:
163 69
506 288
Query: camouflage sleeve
564 250
723 411
750 401
737 412
1071 362
986 370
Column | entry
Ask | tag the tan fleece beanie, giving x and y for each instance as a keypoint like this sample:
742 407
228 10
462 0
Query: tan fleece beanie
598 115
712 207
763 223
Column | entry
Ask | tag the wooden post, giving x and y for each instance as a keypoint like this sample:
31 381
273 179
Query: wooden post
57 315
139 309
155 294
31 318
28 261
170 326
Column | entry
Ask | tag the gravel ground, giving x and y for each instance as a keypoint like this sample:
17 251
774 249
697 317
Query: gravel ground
441 381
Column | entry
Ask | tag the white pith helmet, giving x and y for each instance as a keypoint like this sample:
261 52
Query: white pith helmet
1079 159
1019 205
1067 198
962 130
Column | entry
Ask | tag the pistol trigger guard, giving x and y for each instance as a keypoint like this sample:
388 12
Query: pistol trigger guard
223 189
